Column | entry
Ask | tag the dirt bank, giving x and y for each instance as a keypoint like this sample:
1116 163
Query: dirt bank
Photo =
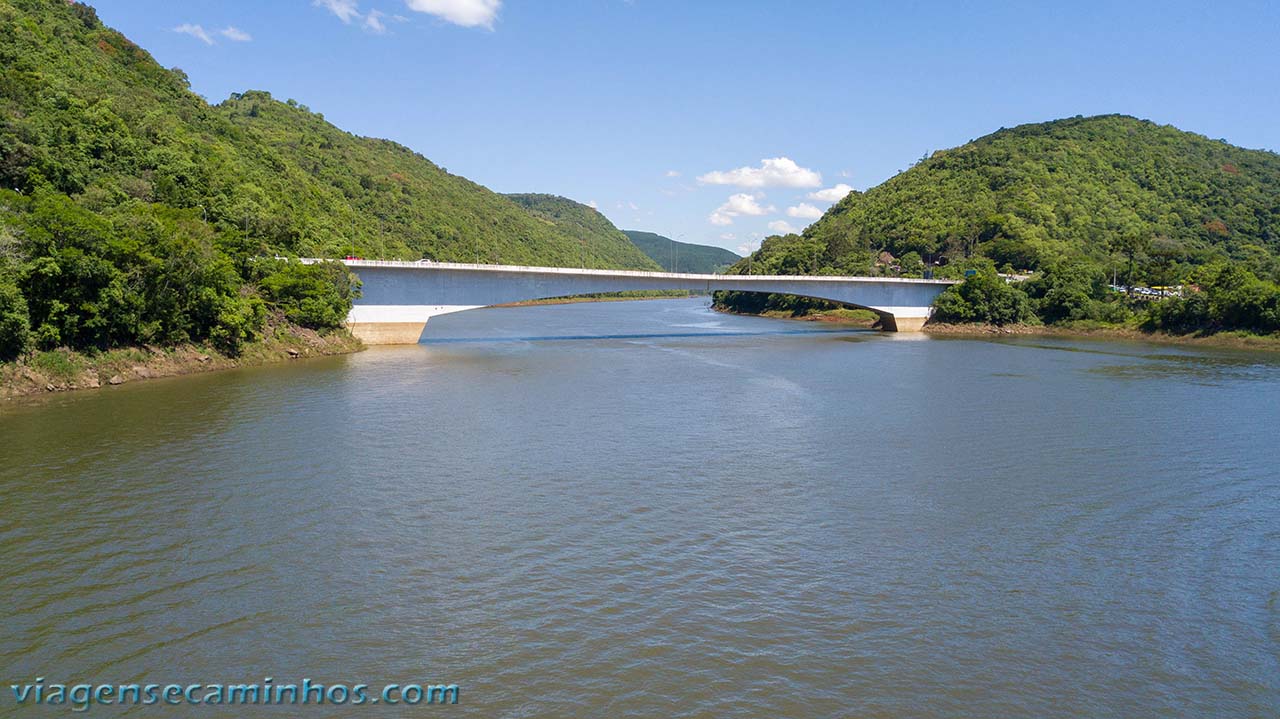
64 370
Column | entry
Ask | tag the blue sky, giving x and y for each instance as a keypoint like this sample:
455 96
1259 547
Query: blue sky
715 121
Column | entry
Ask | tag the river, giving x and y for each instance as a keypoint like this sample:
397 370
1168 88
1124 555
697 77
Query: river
642 509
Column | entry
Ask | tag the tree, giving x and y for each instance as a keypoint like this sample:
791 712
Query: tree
318 296
1130 243
15 325
986 298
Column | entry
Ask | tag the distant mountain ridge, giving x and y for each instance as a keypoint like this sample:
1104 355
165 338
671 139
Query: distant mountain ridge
675 256
593 231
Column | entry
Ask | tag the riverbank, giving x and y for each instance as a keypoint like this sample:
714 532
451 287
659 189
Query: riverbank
853 318
867 319
864 319
64 370
1230 340
664 295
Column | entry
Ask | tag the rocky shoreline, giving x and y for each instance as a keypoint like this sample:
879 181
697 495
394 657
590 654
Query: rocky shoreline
64 370
864 319
1230 340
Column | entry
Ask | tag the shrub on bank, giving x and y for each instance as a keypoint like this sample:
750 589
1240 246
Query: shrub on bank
1230 298
15 325
984 297
315 296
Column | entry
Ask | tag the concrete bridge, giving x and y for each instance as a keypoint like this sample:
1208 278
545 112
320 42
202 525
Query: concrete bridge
399 297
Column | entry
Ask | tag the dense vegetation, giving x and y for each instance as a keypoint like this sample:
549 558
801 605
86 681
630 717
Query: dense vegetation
1227 297
677 256
132 211
600 243
143 273
1084 203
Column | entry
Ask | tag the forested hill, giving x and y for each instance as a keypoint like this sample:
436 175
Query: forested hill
133 211
603 244
1095 207
677 256
1082 187
88 113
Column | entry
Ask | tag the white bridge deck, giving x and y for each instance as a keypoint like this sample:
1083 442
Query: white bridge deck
399 297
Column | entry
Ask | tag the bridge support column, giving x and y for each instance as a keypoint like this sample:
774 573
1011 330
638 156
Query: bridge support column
897 323
387 333
395 324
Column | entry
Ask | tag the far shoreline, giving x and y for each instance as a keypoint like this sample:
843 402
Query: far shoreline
579 300
1218 340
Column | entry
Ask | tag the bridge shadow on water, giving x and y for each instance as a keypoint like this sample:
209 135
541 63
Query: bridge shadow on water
843 333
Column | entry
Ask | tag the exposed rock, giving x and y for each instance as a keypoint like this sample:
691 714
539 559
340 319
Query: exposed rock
115 379
203 358
86 380
141 372
49 388
293 352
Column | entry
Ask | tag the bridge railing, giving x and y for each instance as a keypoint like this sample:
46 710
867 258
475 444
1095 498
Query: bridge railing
431 264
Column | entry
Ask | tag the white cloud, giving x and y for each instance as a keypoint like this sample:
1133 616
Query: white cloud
592 204
235 34
744 204
831 194
736 205
194 31
467 13
673 173
782 227
728 236
804 211
345 9
373 22
747 248
772 172
349 10
739 204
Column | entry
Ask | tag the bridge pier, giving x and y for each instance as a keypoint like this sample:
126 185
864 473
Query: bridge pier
896 323
388 333
395 324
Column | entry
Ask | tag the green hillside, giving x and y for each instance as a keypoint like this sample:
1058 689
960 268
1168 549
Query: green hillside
604 244
133 211
1033 194
682 256
1080 200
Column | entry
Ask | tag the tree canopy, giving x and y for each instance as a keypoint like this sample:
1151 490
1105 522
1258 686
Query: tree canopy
1083 202
131 210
